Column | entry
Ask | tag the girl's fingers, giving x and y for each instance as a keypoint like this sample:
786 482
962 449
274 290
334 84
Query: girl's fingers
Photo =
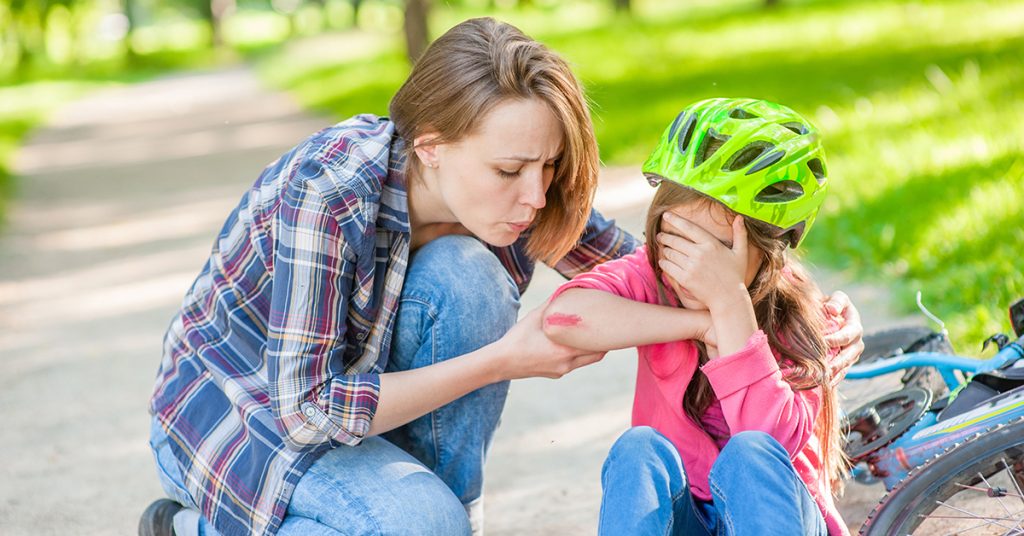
688 229
671 241
673 270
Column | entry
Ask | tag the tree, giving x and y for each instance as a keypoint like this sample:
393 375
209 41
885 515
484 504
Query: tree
214 12
416 31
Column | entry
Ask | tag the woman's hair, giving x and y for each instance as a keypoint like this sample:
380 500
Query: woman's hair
479 64
787 310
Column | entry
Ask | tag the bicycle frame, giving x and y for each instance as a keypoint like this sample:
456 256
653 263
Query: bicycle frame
928 437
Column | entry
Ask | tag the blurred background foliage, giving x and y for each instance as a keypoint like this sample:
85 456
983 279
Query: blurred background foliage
920 101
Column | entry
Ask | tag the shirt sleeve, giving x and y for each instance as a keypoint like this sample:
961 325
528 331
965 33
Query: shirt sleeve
312 279
602 241
629 277
754 395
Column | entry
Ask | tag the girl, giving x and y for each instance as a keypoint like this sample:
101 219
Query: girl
735 428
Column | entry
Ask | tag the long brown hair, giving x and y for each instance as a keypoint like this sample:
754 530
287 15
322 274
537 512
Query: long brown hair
477 65
785 304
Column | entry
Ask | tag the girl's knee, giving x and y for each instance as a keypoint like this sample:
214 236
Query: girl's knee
642 444
750 450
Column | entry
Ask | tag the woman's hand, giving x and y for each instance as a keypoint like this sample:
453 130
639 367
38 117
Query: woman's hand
847 338
711 272
529 353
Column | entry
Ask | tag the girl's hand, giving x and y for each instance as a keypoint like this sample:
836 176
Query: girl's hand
711 272
527 352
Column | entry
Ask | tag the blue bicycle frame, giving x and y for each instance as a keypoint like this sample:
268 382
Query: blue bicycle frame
929 437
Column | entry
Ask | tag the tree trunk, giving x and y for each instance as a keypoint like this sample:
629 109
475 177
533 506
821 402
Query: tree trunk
622 6
356 4
416 31
771 3
215 11
131 13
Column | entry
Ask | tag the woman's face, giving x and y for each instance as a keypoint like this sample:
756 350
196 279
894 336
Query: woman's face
494 181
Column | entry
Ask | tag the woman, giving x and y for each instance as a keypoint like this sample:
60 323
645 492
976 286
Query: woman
346 350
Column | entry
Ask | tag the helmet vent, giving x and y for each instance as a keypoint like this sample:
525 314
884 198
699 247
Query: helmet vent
712 141
675 125
797 128
746 155
817 169
780 192
687 133
768 160
740 113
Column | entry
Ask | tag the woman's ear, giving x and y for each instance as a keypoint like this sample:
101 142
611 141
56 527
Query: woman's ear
425 146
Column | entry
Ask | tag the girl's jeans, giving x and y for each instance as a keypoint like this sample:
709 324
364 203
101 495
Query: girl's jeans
755 490
425 477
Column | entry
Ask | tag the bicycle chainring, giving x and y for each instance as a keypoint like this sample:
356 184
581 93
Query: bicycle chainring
879 422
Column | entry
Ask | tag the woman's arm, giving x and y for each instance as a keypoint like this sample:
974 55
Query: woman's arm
600 321
313 400
523 352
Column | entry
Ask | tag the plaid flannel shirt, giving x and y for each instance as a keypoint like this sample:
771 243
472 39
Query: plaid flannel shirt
275 354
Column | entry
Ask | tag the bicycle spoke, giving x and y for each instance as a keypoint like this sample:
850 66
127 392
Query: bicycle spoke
983 490
1013 478
973 515
997 497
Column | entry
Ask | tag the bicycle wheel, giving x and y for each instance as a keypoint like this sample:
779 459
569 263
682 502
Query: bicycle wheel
907 339
972 488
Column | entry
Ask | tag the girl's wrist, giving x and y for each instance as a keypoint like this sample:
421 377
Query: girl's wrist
729 300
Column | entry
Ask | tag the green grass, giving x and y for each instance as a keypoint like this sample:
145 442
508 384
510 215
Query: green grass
920 103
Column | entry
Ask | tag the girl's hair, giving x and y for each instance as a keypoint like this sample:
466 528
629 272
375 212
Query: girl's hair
479 64
785 304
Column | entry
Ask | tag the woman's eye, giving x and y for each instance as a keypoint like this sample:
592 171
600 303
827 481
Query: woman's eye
551 164
508 174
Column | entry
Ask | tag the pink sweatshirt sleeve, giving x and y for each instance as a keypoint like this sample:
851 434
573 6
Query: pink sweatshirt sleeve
629 277
754 396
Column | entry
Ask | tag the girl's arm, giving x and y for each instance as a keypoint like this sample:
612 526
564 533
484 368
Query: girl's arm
600 321
754 395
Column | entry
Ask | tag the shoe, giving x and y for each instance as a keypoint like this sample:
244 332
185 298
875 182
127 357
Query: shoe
158 519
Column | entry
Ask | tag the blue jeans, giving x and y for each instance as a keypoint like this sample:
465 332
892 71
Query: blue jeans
755 490
425 477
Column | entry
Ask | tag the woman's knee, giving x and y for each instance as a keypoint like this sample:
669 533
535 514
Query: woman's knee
376 488
461 273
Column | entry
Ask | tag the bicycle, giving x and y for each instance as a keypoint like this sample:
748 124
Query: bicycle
949 445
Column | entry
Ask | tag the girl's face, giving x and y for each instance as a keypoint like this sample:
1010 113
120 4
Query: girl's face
713 218
495 180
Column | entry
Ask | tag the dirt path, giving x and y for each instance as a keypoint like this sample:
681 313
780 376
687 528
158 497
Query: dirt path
119 199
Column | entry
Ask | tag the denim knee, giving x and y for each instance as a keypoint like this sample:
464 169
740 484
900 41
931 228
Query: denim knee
749 450
458 278
642 445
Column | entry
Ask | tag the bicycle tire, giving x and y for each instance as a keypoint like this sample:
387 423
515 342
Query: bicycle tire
898 513
907 339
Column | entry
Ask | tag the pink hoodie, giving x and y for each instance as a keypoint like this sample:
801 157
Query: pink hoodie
748 384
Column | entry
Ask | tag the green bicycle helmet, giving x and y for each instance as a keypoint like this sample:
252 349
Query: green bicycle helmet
758 158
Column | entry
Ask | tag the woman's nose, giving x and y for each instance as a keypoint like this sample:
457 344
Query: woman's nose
534 193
